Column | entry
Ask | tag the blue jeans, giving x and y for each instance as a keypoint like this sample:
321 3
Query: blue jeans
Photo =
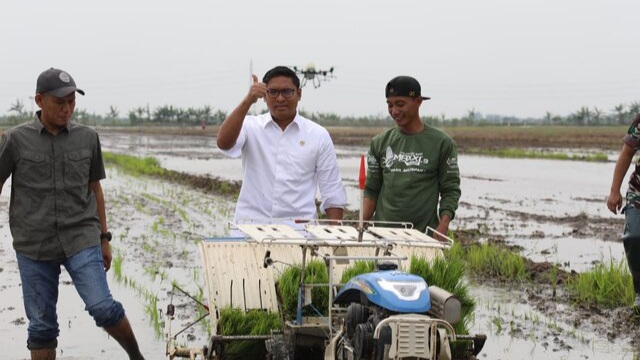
40 294
631 220
631 242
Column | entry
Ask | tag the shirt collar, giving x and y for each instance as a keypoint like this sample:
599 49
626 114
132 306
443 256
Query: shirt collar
297 120
40 127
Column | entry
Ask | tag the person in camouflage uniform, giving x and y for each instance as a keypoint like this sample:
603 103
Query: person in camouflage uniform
631 237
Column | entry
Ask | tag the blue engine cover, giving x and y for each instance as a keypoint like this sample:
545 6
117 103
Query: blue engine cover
392 289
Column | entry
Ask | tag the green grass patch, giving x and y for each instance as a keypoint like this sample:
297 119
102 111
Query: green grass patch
607 285
253 322
514 153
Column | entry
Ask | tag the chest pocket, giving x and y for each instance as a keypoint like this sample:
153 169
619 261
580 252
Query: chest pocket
33 170
77 165
302 161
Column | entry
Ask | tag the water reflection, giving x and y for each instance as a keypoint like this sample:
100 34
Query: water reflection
513 197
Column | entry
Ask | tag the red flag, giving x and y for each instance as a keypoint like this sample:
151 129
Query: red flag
363 173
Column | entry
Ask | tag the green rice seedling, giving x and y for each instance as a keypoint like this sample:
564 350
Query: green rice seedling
124 234
553 325
607 285
148 248
163 274
514 153
152 198
455 253
355 269
139 207
288 283
447 274
253 322
553 278
151 270
116 265
154 318
200 299
134 165
496 261
181 213
497 322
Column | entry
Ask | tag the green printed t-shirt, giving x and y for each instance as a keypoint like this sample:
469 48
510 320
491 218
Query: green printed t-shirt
408 175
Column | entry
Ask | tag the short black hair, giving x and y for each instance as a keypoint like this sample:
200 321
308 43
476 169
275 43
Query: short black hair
281 71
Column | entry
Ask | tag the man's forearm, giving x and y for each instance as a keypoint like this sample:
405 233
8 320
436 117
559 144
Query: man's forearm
369 208
231 126
102 214
622 165
334 213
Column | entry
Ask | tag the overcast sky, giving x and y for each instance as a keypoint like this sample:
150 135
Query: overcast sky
504 57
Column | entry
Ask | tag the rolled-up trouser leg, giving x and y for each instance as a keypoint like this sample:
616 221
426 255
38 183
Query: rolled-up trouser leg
40 295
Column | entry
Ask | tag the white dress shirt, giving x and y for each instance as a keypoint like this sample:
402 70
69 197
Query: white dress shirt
283 170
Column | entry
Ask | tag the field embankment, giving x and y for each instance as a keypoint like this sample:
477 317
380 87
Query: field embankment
467 137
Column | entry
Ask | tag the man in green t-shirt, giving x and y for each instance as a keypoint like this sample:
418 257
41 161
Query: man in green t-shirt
412 171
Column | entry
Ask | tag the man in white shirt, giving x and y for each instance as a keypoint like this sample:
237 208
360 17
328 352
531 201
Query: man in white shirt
285 157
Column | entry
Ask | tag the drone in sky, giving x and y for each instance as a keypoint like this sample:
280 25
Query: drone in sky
316 76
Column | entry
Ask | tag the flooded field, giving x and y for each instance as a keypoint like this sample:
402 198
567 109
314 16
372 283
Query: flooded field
554 210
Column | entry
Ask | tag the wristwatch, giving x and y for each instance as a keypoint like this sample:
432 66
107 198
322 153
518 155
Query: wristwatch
106 236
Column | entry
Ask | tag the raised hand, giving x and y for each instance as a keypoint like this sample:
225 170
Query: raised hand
258 90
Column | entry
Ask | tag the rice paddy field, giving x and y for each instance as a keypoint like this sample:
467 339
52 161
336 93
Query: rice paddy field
549 213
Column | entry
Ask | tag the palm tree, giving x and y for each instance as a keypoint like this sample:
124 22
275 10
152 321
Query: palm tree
582 116
620 114
20 113
634 109
113 113
17 107
205 113
597 115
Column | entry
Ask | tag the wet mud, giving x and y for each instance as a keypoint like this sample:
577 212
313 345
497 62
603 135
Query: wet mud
158 223
553 301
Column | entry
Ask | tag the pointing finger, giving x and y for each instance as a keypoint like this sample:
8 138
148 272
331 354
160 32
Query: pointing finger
255 78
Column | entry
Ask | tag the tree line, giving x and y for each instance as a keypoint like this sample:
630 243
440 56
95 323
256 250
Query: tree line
169 115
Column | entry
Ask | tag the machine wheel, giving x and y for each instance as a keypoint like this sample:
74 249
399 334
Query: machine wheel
363 342
356 314
276 349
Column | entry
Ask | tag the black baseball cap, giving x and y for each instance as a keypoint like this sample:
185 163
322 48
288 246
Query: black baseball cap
56 82
404 86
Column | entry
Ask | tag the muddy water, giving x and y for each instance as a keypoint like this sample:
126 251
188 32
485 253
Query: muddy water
553 209
533 203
